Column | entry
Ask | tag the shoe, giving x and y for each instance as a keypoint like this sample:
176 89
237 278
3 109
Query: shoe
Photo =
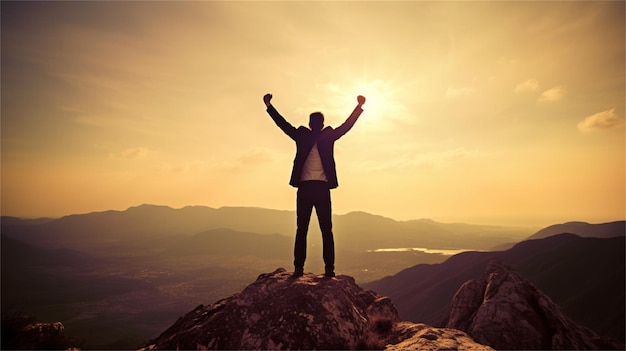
330 271
298 273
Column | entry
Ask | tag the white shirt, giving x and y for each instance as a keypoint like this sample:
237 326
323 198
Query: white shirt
313 169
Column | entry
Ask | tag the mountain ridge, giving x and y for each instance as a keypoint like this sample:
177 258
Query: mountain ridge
421 293
357 229
584 229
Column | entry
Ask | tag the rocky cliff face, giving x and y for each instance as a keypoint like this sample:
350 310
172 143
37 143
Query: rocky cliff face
310 312
504 311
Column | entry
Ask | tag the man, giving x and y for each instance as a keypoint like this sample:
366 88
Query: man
314 174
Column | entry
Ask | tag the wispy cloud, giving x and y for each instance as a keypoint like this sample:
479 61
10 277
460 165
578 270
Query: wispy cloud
130 153
182 167
601 121
255 156
423 160
250 159
554 94
530 85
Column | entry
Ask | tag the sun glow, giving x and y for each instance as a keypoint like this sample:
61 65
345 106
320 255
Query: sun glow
378 95
386 100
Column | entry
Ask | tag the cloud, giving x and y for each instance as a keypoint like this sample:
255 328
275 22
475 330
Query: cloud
554 94
249 160
530 85
601 120
423 160
182 167
255 156
131 153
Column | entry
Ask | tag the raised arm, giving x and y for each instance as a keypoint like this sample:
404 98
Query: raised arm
349 123
280 121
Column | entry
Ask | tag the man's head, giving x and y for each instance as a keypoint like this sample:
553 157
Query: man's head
316 121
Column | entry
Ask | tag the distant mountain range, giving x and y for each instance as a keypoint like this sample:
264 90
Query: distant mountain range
118 277
585 276
358 231
155 230
602 230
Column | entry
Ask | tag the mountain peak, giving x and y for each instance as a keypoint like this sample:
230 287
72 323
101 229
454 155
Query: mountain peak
505 311
279 311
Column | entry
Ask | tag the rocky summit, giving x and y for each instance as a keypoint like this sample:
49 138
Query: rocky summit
279 311
505 311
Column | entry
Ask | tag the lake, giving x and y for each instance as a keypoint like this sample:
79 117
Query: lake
445 252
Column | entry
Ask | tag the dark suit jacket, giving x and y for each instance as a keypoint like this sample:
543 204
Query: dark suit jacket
306 138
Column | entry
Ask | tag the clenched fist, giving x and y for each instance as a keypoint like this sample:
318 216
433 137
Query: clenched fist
267 98
360 99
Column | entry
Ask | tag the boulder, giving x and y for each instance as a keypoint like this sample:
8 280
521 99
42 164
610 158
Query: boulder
281 312
505 311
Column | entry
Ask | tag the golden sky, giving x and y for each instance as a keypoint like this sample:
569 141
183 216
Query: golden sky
497 112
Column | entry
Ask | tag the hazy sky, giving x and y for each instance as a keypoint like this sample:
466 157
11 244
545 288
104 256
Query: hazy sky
476 111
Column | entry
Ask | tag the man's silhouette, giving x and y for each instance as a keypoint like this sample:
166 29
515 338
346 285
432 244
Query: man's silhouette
314 174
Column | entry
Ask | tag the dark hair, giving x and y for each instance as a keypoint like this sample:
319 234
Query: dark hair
316 121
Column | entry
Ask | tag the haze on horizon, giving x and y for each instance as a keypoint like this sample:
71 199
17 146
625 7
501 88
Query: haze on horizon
476 111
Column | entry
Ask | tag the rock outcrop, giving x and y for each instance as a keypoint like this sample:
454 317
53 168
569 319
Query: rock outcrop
20 333
422 337
505 311
309 312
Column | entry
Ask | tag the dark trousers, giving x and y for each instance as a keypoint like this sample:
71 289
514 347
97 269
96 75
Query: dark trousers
314 194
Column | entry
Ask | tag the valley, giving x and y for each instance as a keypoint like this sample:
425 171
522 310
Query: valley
118 278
